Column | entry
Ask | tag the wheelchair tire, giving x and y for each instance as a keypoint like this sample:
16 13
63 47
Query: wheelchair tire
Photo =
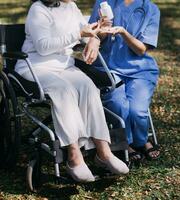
33 175
10 124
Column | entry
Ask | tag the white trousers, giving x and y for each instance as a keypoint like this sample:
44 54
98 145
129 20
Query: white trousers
77 110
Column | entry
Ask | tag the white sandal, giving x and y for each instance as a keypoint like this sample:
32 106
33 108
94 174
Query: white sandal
113 164
80 173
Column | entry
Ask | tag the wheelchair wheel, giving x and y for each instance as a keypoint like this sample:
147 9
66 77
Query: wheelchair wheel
10 124
33 175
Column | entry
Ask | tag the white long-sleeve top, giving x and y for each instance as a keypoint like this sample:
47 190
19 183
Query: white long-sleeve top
51 34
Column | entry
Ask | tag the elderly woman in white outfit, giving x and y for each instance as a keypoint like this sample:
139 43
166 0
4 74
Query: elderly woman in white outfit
52 29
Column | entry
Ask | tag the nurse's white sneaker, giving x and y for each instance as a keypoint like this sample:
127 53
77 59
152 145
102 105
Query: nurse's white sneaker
80 173
113 164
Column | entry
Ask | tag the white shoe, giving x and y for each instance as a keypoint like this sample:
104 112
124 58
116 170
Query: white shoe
80 173
113 164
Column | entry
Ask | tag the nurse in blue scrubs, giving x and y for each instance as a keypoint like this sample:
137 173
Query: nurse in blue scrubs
135 28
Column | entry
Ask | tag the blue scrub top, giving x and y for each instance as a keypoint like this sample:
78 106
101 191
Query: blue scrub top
144 26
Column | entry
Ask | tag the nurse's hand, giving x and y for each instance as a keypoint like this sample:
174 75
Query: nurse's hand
136 45
105 23
90 30
114 30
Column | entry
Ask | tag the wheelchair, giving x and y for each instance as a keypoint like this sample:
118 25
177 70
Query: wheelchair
19 96
31 95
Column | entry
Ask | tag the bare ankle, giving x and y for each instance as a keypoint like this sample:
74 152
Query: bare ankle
103 149
75 157
75 161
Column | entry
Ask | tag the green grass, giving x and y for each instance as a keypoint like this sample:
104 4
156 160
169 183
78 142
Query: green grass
14 11
157 180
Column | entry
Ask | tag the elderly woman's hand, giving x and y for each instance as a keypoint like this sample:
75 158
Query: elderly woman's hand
105 22
91 50
90 30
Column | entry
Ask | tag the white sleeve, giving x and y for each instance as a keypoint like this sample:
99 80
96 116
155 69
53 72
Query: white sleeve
81 18
39 25
82 21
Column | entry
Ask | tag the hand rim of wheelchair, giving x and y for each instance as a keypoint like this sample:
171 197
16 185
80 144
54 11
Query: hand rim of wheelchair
10 123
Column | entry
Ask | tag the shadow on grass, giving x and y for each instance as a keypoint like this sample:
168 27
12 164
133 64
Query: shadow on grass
14 183
170 29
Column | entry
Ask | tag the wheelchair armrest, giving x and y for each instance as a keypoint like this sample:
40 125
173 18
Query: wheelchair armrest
24 56
100 78
36 79
15 55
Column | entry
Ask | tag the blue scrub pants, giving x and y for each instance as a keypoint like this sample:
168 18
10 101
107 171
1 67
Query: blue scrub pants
131 102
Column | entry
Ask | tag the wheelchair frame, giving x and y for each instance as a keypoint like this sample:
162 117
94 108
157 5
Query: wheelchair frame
54 150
